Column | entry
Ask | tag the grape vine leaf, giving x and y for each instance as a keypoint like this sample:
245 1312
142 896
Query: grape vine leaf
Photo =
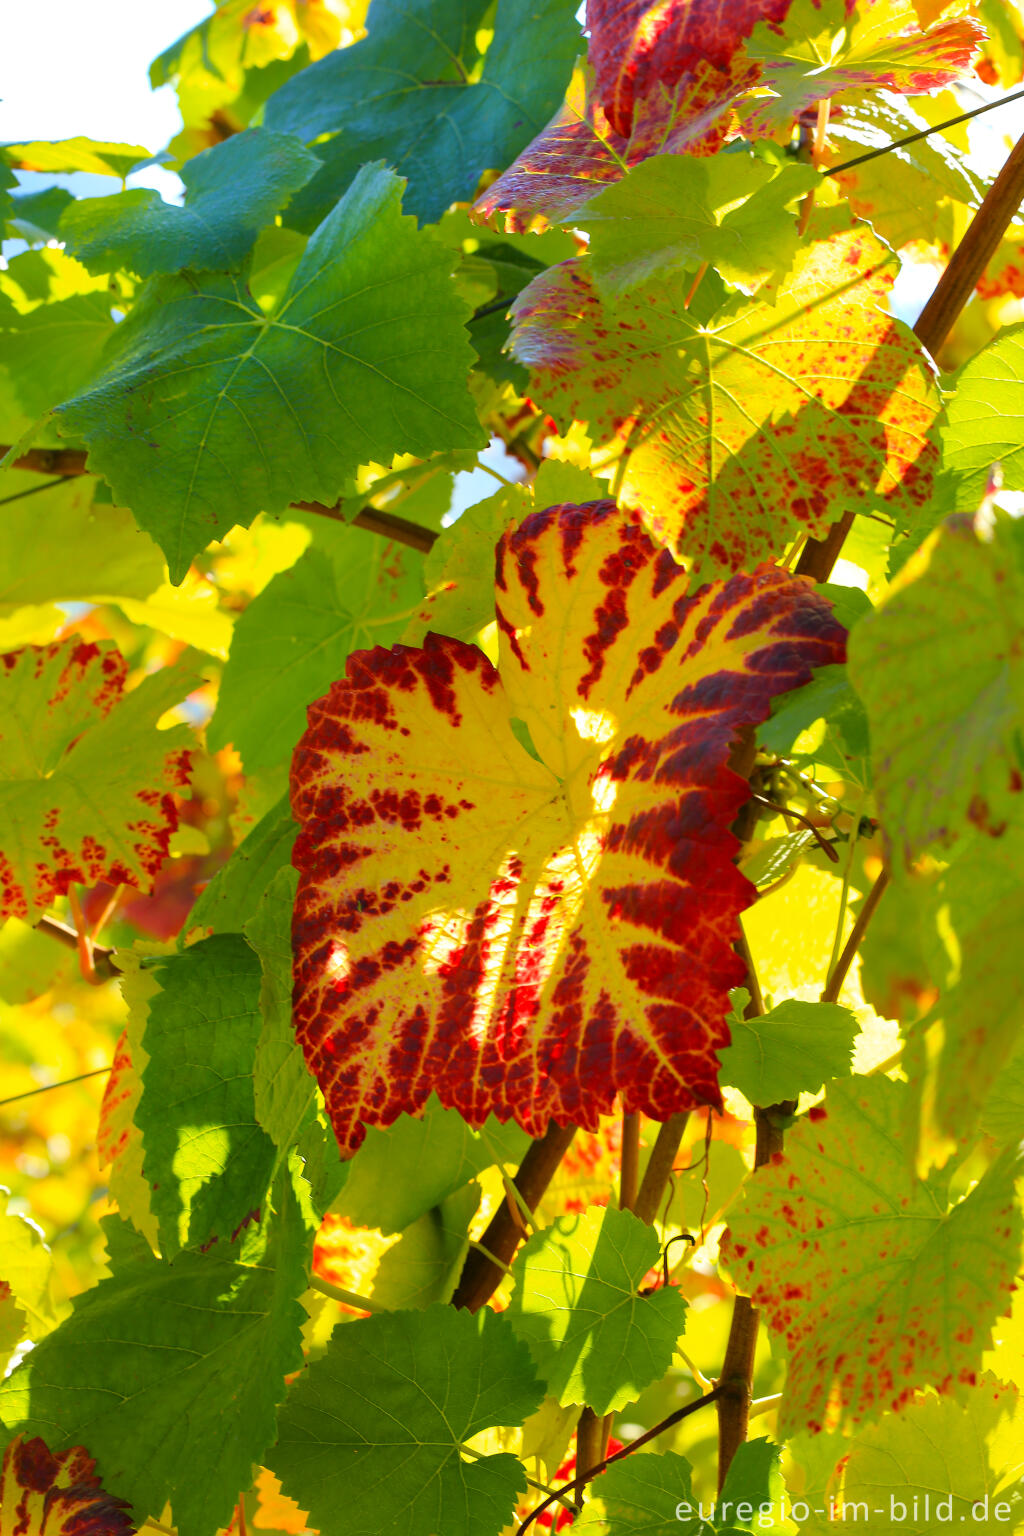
653 1495
26 1268
148 1359
55 349
237 888
876 1285
930 1465
792 1049
207 1160
97 157
371 1433
424 1266
231 191
938 666
35 216
666 213
46 1495
638 47
985 418
559 929
118 1142
1003 1114
742 430
596 1341
828 46
285 1094
418 92
367 343
87 790
457 572
578 151
291 642
406 1169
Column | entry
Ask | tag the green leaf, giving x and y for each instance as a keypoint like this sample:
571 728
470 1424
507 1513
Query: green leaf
1003 1114
938 666
875 1282
237 888
26 1268
92 551
370 1435
425 1265
171 1372
36 215
86 781
754 1478
231 191
795 1048
928 1467
401 1172
651 1494
459 571
738 427
577 1304
56 348
292 641
367 344
828 696
985 418
95 156
414 93
207 1160
285 1093
676 211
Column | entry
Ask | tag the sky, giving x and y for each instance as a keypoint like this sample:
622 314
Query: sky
71 68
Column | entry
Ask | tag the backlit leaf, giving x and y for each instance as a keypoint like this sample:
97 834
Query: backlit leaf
207 1160
26 1268
985 418
532 937
46 1495
876 1284
653 1496
87 791
594 1338
367 1453
340 373
743 429
578 151
794 1048
828 46
56 349
285 1095
939 669
235 891
413 92
637 47
149 1359
231 191
79 154
292 640
665 214
936 1463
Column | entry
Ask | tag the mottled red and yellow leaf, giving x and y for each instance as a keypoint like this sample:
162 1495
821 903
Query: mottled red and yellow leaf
756 424
876 1282
534 935
46 1495
86 783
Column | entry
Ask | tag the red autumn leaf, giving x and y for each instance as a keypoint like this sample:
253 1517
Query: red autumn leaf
86 783
759 424
531 936
636 47
579 152
42 1494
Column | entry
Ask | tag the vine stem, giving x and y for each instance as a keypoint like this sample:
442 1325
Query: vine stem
837 974
103 964
581 1480
481 1274
350 1298
659 1166
936 320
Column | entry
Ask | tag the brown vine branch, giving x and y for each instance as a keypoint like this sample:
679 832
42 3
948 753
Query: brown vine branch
103 964
936 320
834 985
583 1478
481 1275
659 1166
